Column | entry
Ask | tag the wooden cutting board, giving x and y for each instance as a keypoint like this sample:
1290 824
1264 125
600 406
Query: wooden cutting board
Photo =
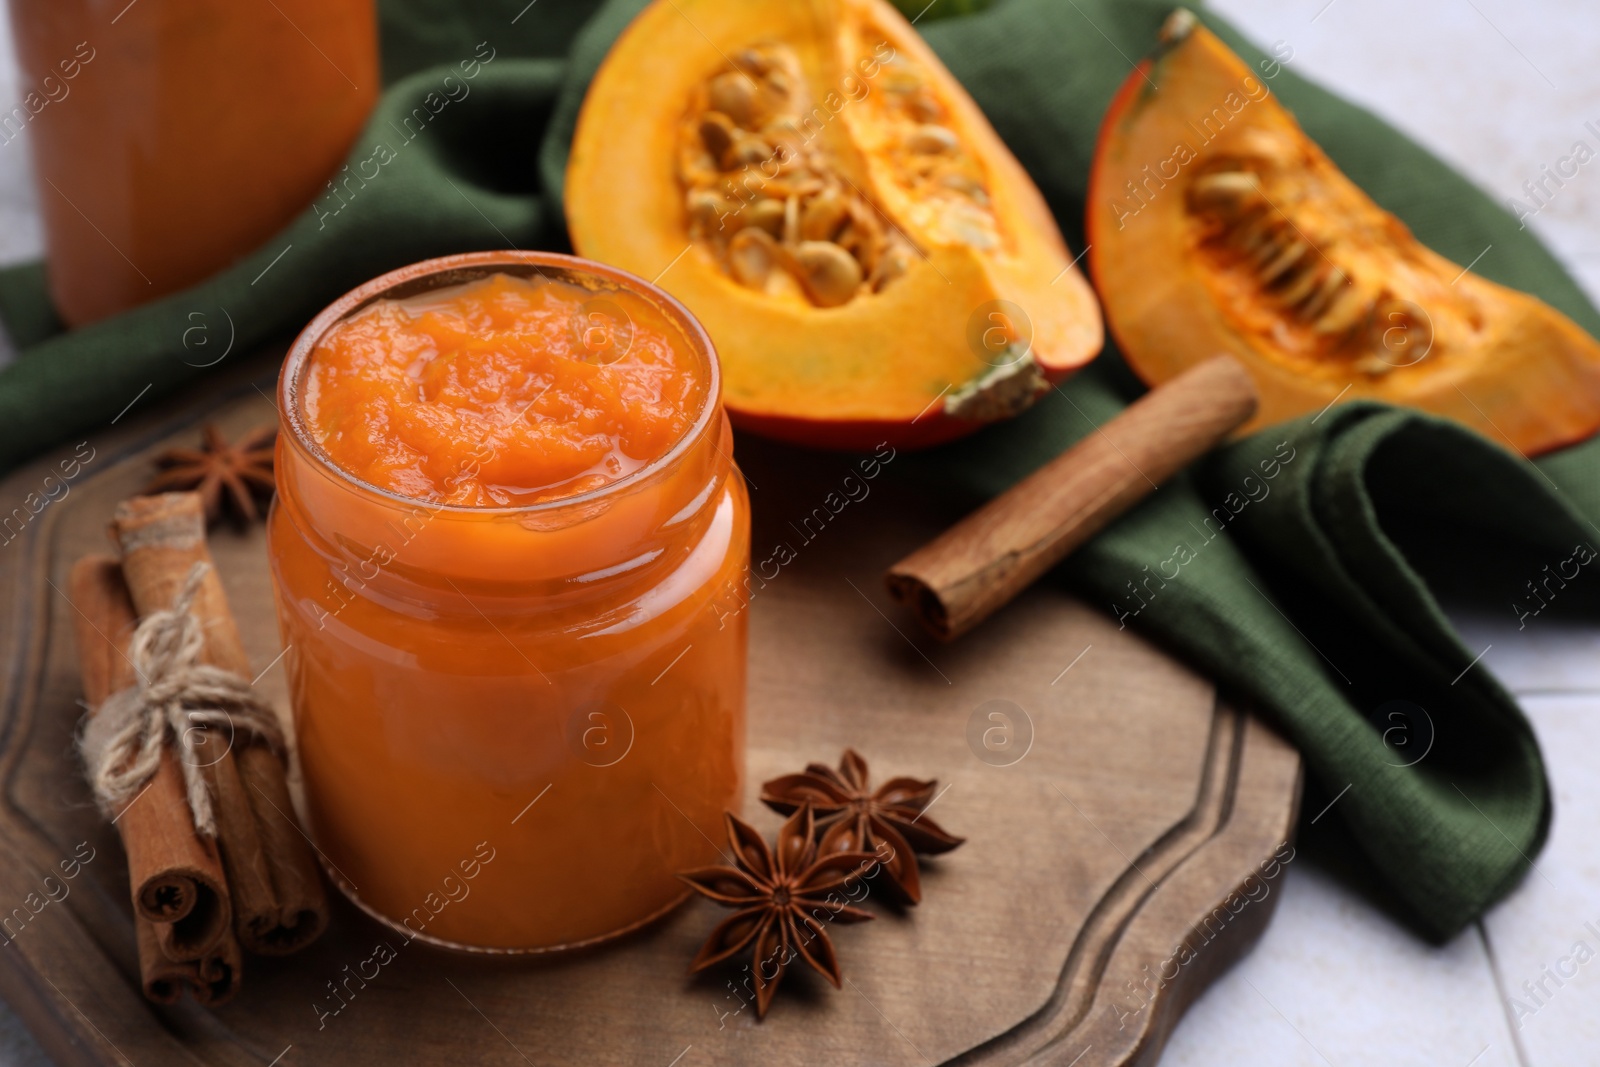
1122 821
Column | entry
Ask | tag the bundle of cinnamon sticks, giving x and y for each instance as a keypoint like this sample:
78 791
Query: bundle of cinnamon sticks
197 900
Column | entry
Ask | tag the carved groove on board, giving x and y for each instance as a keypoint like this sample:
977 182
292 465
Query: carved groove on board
1036 1036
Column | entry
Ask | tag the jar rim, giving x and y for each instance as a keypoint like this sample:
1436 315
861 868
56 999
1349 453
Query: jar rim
443 271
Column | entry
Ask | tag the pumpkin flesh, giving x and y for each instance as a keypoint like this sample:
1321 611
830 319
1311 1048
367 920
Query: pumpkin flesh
870 261
1217 225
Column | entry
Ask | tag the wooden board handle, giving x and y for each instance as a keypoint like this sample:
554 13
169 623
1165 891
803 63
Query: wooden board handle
972 569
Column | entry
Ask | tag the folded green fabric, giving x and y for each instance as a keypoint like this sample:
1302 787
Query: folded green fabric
1299 567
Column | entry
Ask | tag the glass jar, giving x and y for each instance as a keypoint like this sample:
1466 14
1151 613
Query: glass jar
515 724
171 137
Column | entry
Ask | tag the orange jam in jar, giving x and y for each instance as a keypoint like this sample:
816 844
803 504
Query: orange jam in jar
173 137
506 507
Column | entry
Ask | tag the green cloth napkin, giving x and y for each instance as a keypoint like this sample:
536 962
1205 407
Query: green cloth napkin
1301 564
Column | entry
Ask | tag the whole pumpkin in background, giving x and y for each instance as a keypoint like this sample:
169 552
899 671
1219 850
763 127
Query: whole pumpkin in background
870 260
1216 225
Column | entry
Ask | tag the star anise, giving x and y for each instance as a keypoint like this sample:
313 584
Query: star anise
785 897
226 475
888 821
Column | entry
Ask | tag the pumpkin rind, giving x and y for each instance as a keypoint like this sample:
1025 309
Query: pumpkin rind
911 362
1216 225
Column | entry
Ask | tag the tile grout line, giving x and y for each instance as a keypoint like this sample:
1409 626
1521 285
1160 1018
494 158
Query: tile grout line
1500 991
1520 693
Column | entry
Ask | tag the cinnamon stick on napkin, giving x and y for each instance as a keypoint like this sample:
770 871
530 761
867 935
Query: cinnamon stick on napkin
977 566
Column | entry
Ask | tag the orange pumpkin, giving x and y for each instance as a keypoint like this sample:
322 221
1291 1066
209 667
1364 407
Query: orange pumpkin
870 260
1217 225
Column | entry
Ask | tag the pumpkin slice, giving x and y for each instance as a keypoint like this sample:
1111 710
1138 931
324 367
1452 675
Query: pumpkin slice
806 177
1217 225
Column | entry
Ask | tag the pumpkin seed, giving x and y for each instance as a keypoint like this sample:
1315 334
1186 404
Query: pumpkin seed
791 220
893 264
823 215
1280 264
717 132
862 245
830 274
1278 237
748 150
860 242
1303 282
863 236
1227 192
786 136
899 80
1332 283
865 220
782 189
1346 311
735 95
974 232
923 107
1257 240
930 139
766 215
967 186
751 61
706 208
751 253
1404 337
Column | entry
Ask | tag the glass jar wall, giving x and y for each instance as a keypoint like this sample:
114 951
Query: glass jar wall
515 723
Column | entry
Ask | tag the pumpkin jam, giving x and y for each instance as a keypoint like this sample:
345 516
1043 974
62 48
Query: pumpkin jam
505 515
172 143
564 391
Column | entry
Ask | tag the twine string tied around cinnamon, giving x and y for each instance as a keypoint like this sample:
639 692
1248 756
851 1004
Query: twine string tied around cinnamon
177 699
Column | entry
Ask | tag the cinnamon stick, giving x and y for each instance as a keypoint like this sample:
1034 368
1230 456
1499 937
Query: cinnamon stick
211 980
302 903
175 875
279 904
968 572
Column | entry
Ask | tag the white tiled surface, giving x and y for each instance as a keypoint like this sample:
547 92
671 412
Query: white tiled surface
1546 941
1331 983
1499 88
